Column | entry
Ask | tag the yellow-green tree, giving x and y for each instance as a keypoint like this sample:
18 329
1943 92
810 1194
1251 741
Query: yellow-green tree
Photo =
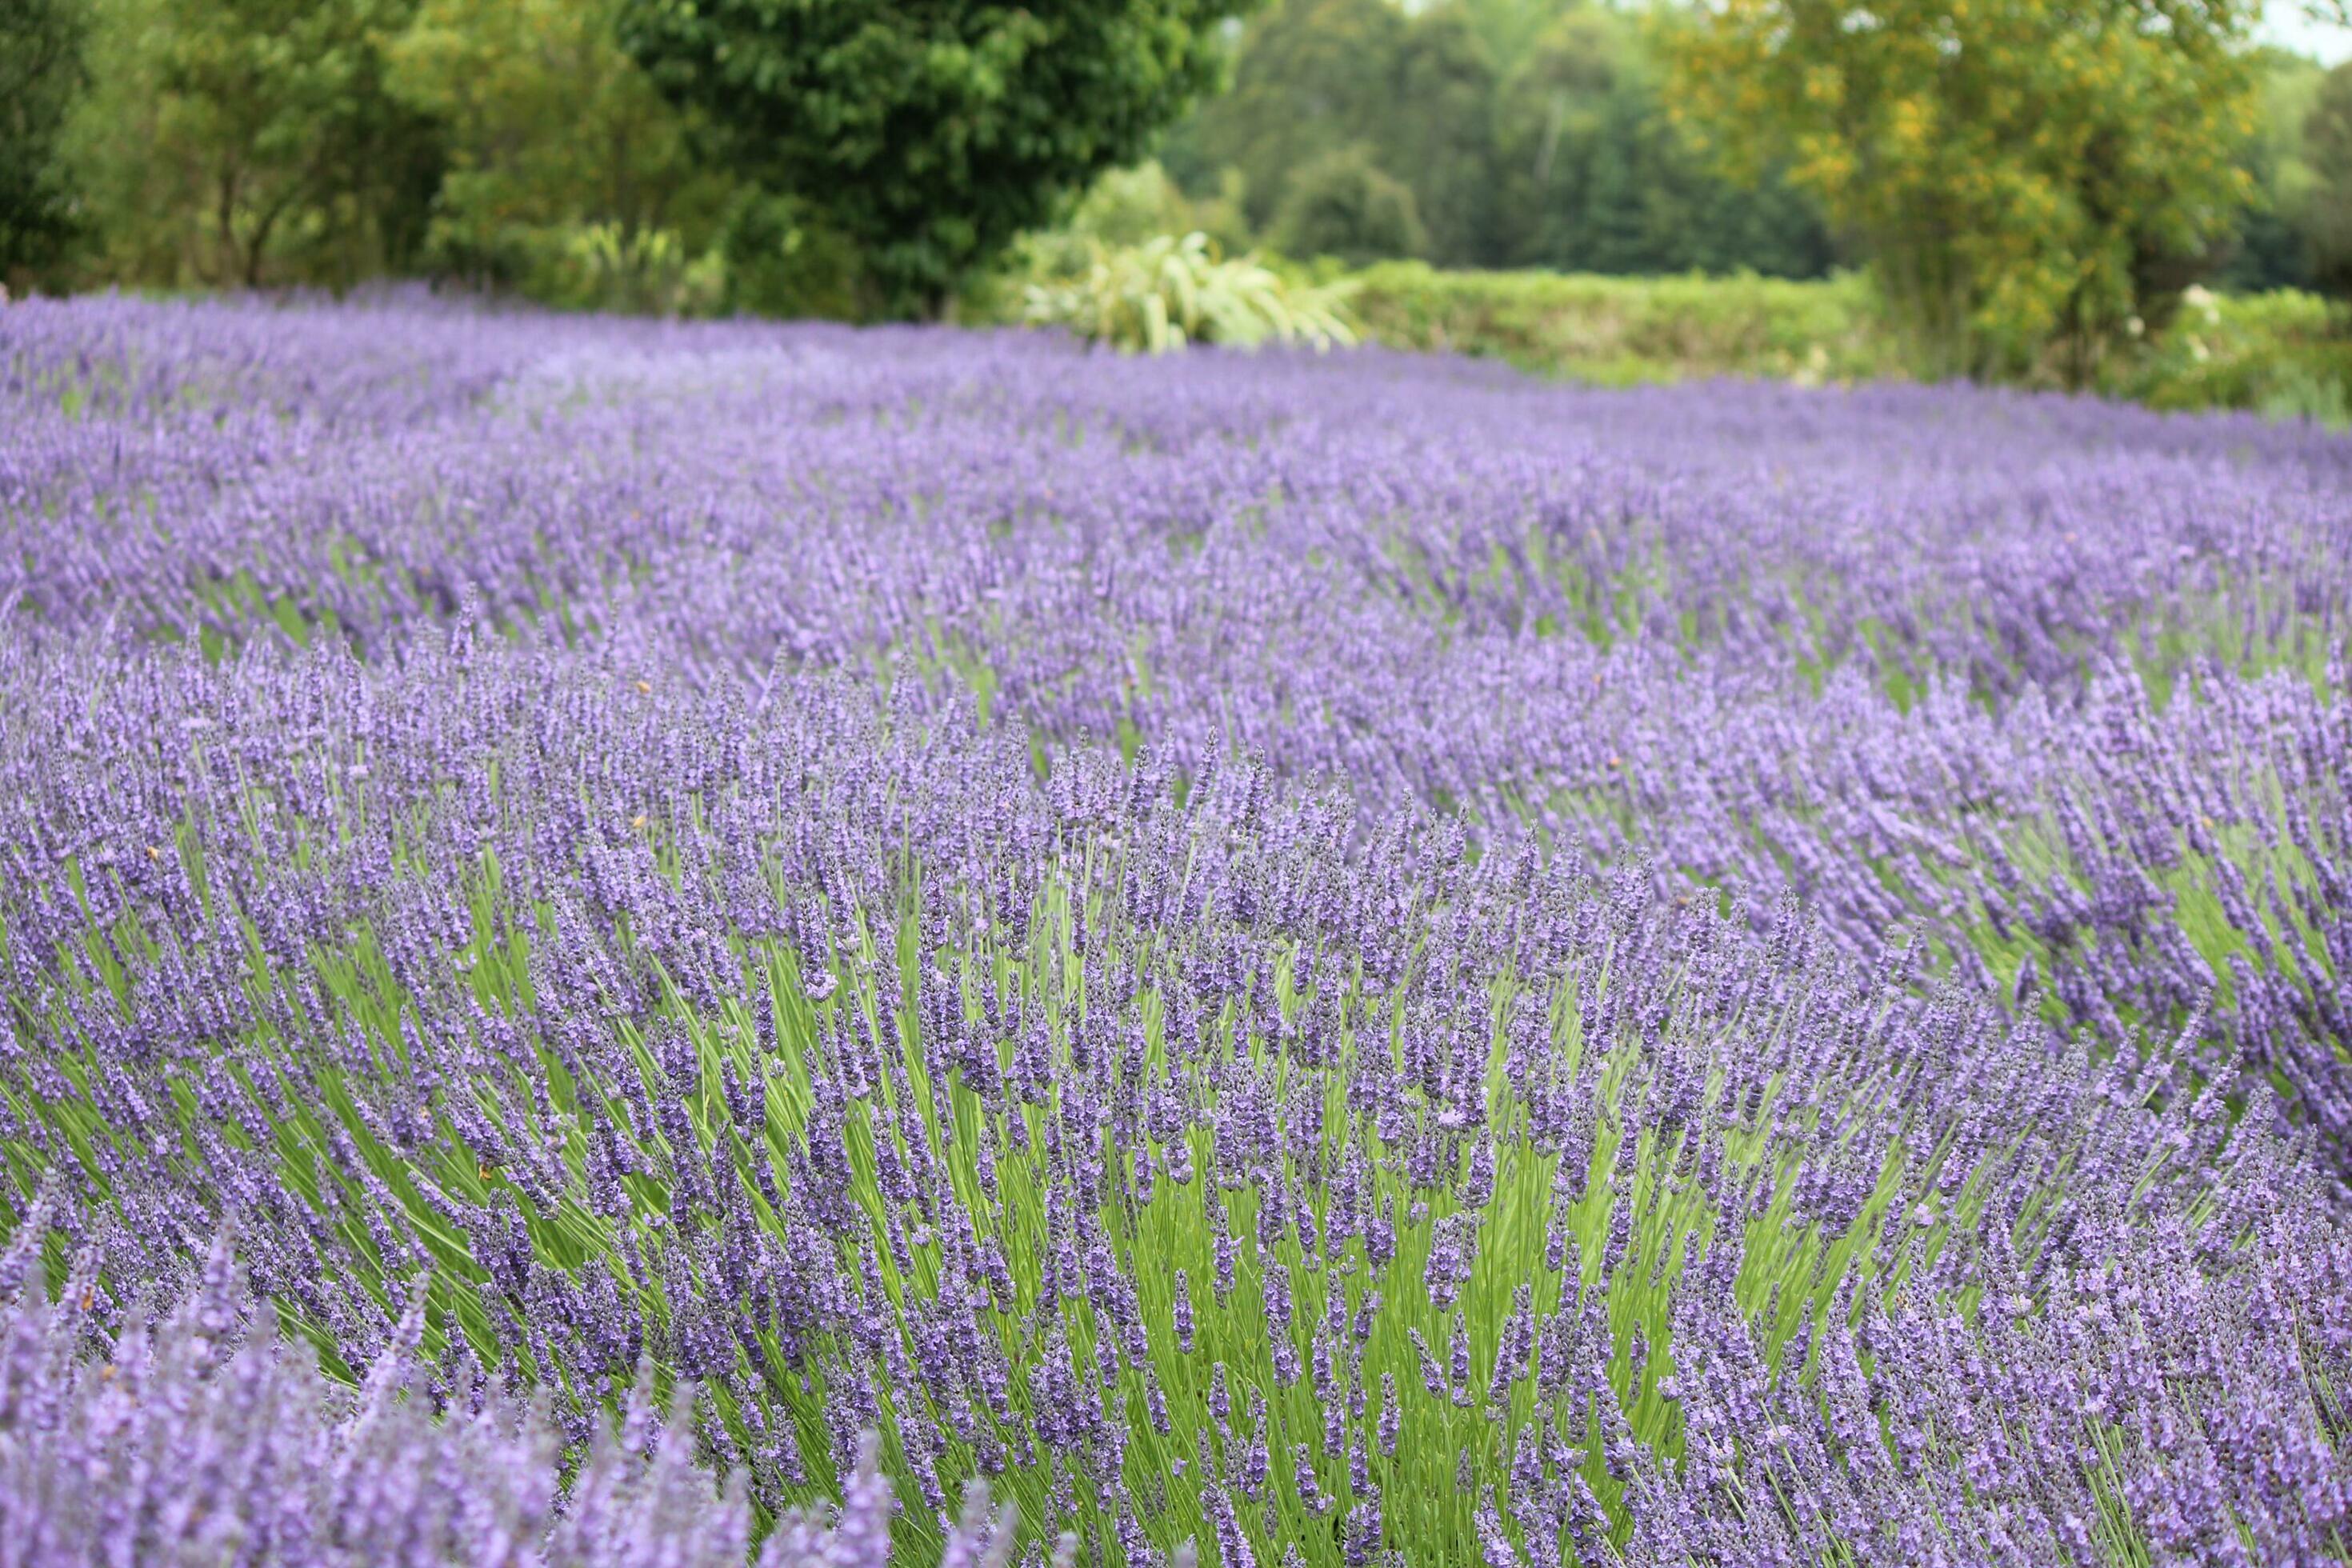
2026 175
550 130
246 143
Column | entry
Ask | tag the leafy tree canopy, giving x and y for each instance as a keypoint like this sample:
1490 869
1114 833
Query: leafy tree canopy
929 132
40 73
1530 133
547 125
2327 143
1341 204
251 142
2021 172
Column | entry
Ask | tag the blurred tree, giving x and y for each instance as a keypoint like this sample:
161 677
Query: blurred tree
1509 28
1436 129
1564 159
1551 124
930 135
1341 204
1128 206
1592 177
781 261
2270 248
2328 148
40 77
1310 77
1315 78
550 130
250 142
2023 173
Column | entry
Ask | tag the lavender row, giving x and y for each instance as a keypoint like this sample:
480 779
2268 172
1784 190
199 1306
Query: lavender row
1851 645
1299 553
1206 1171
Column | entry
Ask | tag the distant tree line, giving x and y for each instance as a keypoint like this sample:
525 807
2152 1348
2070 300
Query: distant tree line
859 161
1506 133
1479 133
849 159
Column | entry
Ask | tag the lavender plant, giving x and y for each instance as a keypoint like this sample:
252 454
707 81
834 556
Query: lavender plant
1332 959
189 1440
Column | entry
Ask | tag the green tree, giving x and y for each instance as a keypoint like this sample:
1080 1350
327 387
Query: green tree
1310 77
782 262
1551 118
2023 173
1592 177
1531 133
40 77
1341 204
2327 149
548 129
1434 128
1315 78
2269 249
1509 28
929 132
250 142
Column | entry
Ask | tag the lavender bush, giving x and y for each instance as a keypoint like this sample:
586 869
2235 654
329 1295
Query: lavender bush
1332 960
192 1442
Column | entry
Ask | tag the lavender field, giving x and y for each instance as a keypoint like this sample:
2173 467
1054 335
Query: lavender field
634 944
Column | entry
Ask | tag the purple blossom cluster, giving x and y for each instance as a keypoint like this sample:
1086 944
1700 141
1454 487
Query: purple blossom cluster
188 1439
1336 959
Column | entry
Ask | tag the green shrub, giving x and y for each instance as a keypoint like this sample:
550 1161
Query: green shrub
587 267
1342 205
1170 291
1131 207
2285 353
1620 331
647 272
781 262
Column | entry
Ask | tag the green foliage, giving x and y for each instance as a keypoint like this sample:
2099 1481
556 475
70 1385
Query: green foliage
649 272
1620 331
250 142
553 137
41 75
1437 134
2272 250
1123 209
2328 138
1592 177
1128 206
780 262
1508 28
1170 292
1312 77
2026 174
1530 135
1342 206
1316 77
2285 355
928 138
